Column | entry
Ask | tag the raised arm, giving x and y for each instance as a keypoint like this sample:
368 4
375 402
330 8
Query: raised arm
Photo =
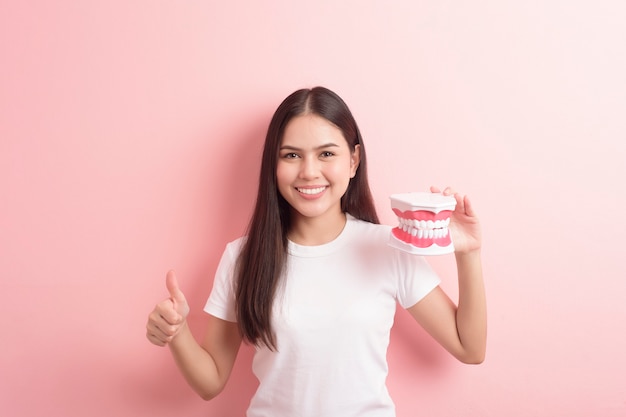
205 366
461 329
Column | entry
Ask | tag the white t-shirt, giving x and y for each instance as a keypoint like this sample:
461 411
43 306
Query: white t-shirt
331 317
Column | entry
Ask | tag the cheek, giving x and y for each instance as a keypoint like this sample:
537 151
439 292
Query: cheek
341 172
283 174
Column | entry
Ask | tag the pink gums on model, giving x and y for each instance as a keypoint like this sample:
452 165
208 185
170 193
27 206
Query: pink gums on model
423 228
423 223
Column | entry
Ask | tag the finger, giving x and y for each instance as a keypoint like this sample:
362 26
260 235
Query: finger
166 313
156 322
154 333
469 209
161 330
155 336
155 340
434 189
448 191
460 205
164 333
172 286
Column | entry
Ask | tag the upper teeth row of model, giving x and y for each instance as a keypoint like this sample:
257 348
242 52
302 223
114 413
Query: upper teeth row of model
311 190
423 224
423 233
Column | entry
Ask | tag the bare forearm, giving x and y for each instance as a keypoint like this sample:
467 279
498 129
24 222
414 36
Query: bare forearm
471 315
196 364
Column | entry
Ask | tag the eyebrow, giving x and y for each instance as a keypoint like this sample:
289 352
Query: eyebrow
293 148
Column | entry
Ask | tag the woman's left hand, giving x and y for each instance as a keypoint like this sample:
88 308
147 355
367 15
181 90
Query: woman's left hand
464 224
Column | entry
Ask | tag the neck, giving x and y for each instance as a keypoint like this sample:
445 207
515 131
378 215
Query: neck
317 231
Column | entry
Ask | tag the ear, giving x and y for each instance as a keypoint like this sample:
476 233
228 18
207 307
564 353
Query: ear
355 160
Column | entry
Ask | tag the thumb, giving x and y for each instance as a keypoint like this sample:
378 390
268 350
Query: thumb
177 296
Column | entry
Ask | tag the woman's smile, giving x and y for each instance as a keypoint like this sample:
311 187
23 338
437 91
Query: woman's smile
311 192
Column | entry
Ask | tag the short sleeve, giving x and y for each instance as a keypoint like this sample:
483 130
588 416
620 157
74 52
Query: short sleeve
221 301
416 278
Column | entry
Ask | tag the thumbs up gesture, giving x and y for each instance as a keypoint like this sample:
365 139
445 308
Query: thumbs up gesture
169 316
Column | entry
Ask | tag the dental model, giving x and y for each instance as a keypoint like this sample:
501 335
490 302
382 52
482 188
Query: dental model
423 220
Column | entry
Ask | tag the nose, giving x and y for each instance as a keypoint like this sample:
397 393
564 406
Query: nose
309 168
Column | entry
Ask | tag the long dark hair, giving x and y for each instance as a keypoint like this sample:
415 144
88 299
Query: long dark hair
263 255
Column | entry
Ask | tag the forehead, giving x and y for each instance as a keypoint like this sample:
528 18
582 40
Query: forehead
311 129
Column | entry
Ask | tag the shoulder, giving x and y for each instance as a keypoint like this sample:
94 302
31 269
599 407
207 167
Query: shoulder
362 228
233 249
237 244
370 237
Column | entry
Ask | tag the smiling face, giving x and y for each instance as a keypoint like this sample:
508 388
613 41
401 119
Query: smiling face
315 165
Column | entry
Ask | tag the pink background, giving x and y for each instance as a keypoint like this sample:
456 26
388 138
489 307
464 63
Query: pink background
130 136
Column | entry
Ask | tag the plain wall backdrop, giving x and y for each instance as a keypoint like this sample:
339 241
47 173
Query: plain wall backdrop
130 137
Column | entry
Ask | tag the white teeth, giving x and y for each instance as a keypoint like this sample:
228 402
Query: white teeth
311 191
422 229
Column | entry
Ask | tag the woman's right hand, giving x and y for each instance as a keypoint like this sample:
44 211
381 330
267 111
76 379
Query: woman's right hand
169 316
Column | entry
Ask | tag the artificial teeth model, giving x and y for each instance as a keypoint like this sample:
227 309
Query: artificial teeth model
423 220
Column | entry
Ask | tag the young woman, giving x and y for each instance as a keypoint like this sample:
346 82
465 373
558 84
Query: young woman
314 285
